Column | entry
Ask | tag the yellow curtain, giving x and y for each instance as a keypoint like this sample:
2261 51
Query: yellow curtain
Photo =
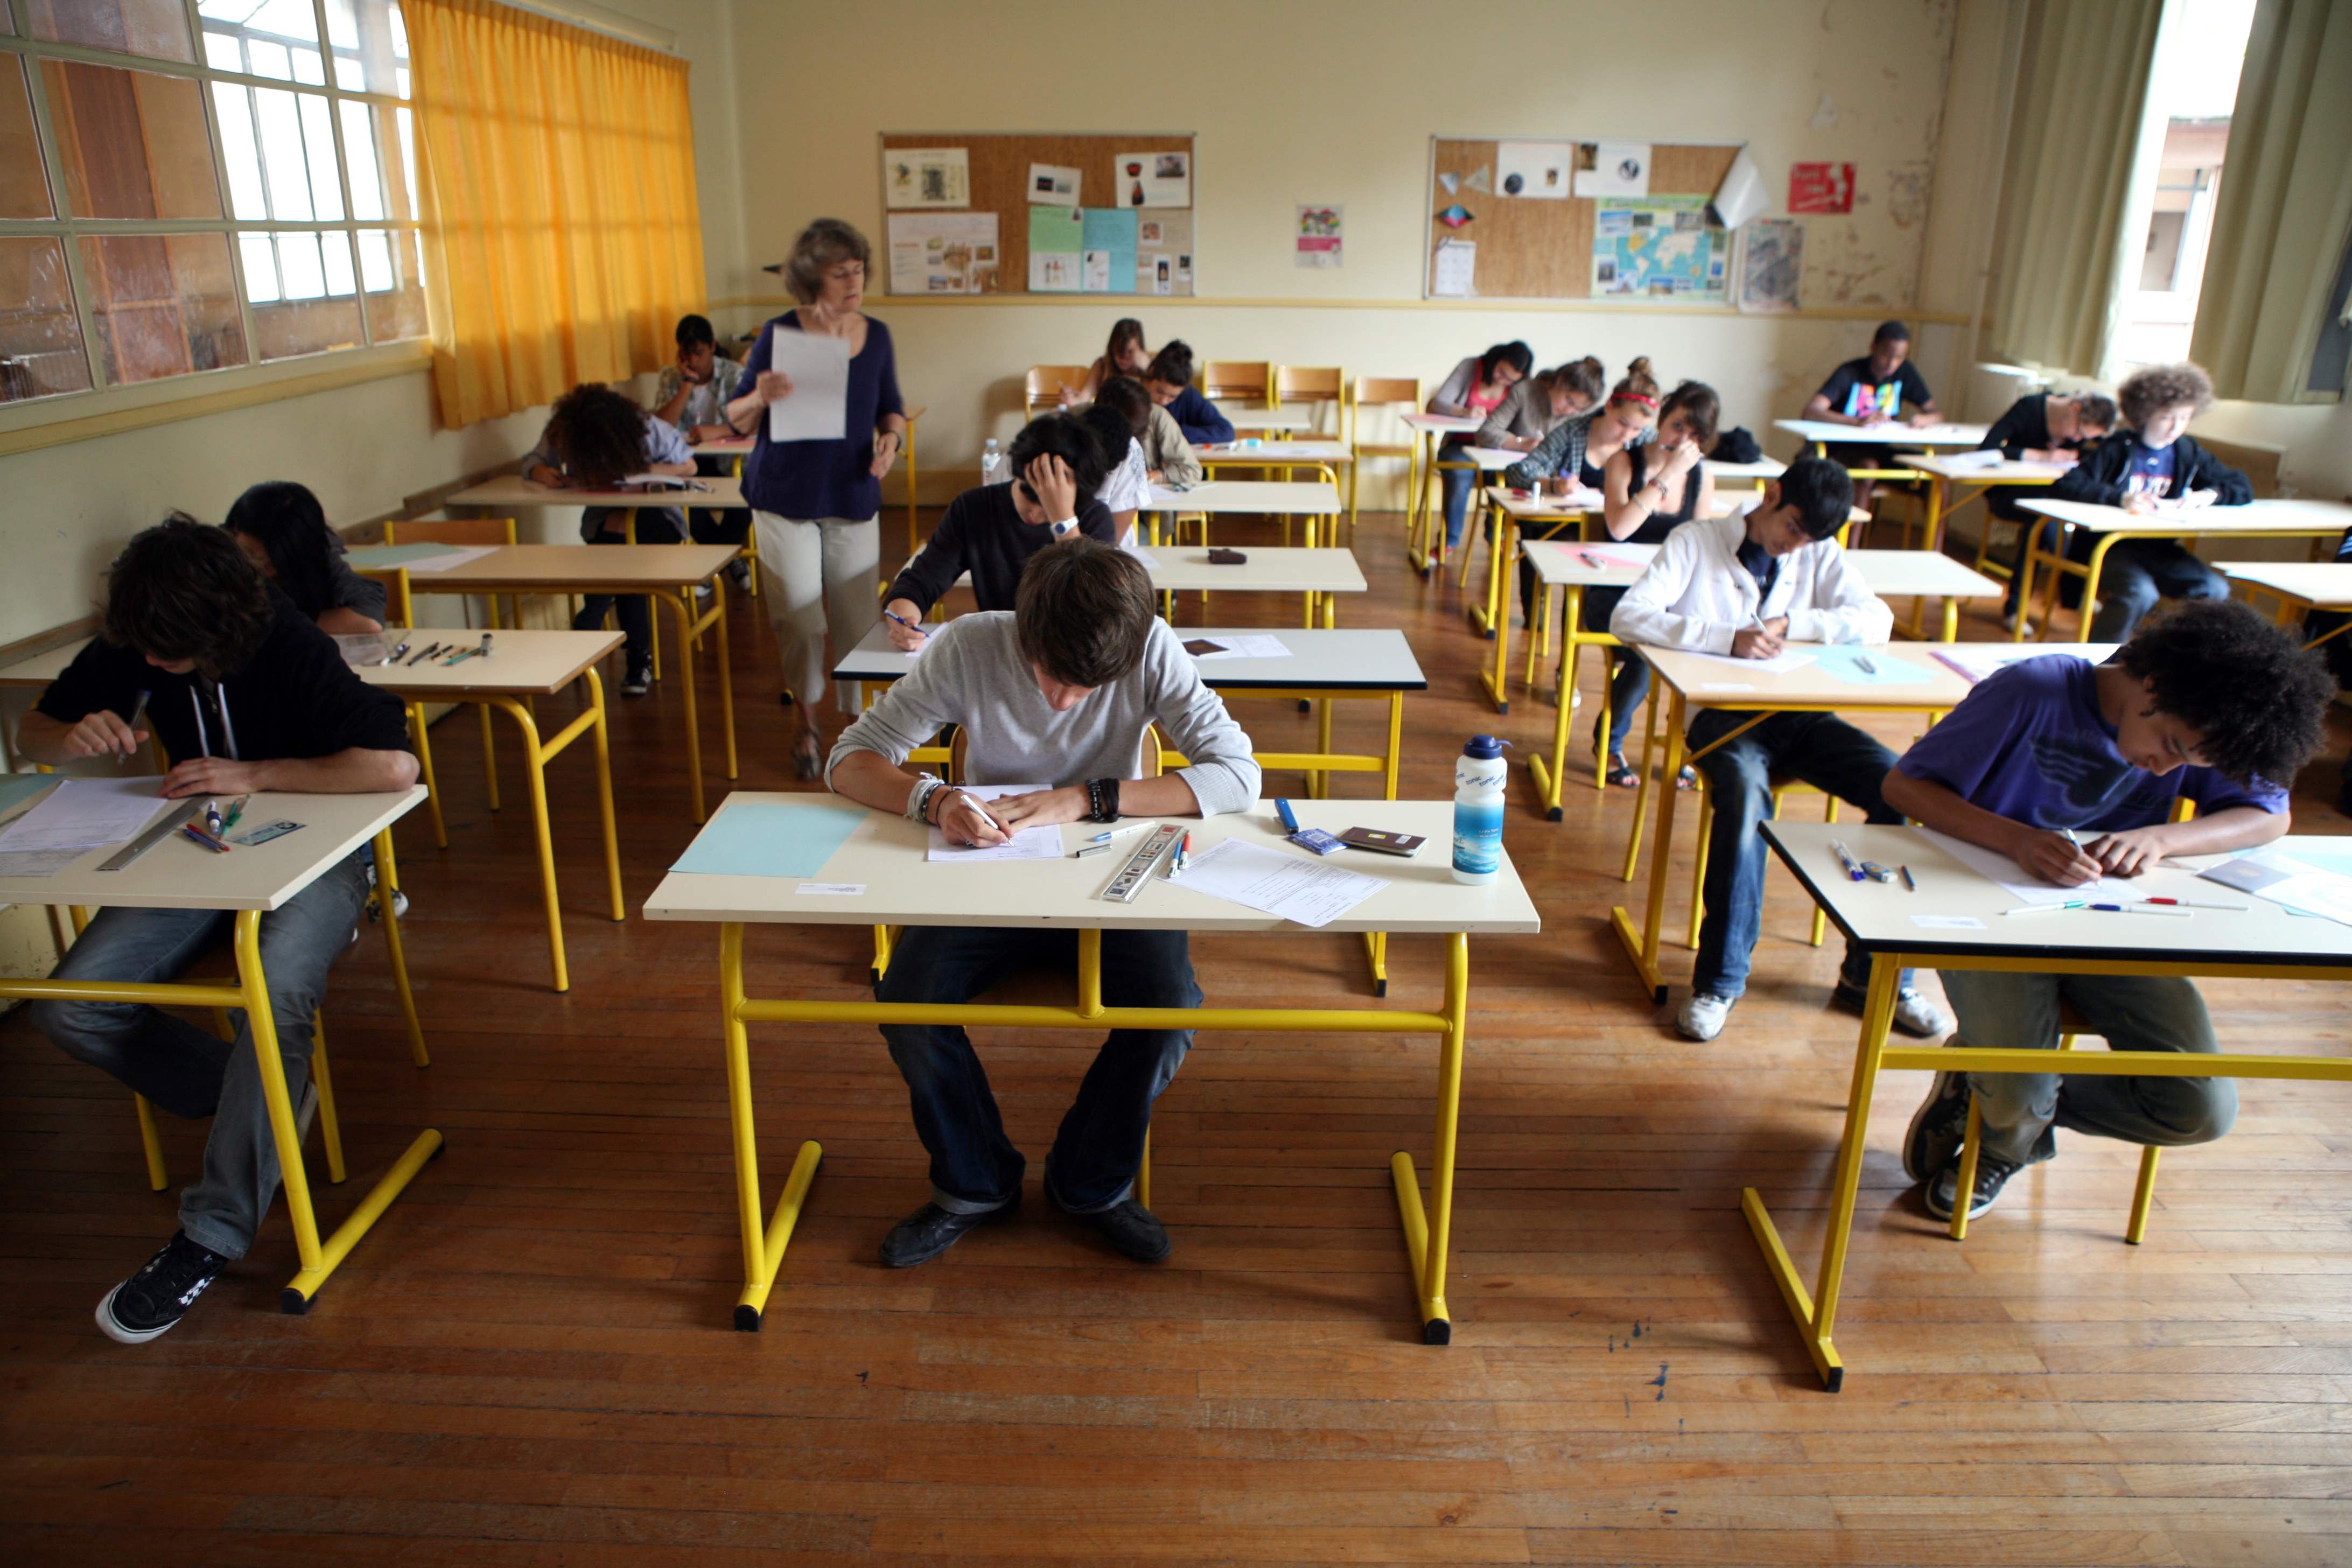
2074 143
2285 206
562 235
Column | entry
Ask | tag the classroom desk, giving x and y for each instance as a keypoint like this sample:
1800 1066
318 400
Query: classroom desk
1429 434
1325 457
1973 661
1754 474
523 665
1315 574
739 446
1954 481
2109 524
668 574
1309 499
883 858
1696 682
2299 586
1821 434
1251 417
250 881
512 491
2263 942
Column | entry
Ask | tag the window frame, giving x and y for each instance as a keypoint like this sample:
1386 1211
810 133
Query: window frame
105 396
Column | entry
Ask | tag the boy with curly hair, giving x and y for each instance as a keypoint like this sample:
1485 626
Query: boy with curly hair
2072 770
2151 460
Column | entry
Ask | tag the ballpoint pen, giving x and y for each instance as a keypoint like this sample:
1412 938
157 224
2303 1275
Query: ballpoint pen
2193 904
1103 843
137 713
911 626
1908 884
2101 909
1846 858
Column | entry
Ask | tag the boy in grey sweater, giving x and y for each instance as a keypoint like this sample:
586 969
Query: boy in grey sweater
1057 693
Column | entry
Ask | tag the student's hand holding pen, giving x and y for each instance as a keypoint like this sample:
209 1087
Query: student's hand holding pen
964 819
1761 639
2054 857
103 734
904 624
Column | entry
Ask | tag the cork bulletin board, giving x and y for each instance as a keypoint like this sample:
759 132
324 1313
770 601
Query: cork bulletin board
1530 249
999 182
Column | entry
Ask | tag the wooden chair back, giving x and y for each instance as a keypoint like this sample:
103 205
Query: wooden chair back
1296 384
1250 380
1401 392
1042 388
452 531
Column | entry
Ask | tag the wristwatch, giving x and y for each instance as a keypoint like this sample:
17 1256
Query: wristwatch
1065 528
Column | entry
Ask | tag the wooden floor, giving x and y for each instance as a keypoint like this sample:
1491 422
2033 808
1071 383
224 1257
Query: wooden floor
530 1362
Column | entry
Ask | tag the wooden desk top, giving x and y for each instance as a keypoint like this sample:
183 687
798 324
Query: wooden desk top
2255 518
884 857
1273 454
1957 466
1976 660
2326 584
1878 915
1929 573
1895 433
522 663
1242 416
582 568
1329 659
1277 498
514 491
1325 570
178 875
1708 682
1443 424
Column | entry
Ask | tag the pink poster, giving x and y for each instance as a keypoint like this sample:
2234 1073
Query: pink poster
1821 188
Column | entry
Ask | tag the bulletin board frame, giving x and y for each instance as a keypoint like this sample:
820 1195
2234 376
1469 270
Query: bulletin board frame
1000 161
1534 250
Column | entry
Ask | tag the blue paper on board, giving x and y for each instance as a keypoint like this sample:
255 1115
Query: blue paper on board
766 838
1111 231
1846 663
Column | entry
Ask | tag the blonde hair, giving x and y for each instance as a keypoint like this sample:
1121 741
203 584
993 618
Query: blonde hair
825 242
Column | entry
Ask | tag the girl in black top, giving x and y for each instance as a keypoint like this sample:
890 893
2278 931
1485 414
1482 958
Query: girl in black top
1651 490
283 531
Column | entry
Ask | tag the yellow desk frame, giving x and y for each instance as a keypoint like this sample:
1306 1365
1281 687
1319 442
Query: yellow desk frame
765 1234
2035 557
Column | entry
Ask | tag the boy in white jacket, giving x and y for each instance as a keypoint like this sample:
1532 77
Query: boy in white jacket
1744 586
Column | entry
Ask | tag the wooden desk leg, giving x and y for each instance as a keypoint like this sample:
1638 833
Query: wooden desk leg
320 1258
1642 946
535 773
764 1245
1427 1238
1816 1313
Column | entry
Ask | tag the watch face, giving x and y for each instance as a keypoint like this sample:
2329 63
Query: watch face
1062 529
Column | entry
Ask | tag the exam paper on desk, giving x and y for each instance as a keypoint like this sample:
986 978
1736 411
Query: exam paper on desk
1996 867
81 814
1253 644
1028 843
1312 892
1779 664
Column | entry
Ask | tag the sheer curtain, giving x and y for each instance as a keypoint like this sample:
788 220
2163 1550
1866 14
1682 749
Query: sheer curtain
2285 206
2075 138
555 171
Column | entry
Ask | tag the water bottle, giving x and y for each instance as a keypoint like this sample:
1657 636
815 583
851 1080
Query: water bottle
1478 775
991 462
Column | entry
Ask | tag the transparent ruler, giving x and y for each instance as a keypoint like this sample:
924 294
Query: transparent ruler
1133 876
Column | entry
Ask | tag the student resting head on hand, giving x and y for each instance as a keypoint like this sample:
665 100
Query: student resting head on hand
283 531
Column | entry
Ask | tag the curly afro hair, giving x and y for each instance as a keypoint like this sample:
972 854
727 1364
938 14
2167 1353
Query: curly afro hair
2257 697
2145 393
600 432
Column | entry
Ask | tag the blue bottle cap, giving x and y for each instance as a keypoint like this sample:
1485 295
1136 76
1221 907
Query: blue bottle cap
1482 747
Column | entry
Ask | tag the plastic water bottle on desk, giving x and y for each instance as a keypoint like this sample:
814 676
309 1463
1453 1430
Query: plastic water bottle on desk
992 463
1479 773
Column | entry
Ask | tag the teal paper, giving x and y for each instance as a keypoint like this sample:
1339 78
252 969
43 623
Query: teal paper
1112 229
767 838
1845 662
17 788
377 557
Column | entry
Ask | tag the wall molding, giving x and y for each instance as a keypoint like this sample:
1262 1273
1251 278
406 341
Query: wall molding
62 426
780 302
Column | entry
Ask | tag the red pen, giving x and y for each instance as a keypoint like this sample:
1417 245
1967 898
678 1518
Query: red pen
2192 904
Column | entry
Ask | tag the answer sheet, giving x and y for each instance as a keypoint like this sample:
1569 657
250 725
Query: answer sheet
81 814
1994 866
1312 892
1029 844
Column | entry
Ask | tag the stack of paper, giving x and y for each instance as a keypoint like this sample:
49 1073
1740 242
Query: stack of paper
1312 892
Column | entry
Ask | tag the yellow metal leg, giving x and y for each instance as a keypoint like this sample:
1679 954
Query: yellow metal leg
490 761
2143 1195
152 1143
604 755
535 774
425 766
1964 1194
1143 1173
387 871
1698 863
1427 1236
1642 783
1550 782
764 1245
2083 616
911 543
1643 945
330 1127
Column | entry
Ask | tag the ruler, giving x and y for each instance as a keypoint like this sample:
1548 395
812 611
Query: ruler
169 825
1158 846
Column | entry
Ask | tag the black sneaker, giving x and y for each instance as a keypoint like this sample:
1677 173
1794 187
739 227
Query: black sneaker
639 681
1131 1229
1938 1128
1992 1175
159 1295
931 1230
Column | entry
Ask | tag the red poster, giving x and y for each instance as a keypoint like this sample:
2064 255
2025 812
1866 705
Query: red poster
1821 188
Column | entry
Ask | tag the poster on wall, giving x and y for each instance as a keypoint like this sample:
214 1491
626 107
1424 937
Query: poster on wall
1054 184
1151 179
1540 170
1056 242
1659 248
926 177
1771 260
1619 169
1163 253
1453 270
1821 188
1318 236
1106 250
943 253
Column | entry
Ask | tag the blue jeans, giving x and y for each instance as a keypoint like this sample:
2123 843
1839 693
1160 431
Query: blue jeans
1821 749
191 1072
2136 574
975 1167
2132 1013
655 525
1631 683
1458 484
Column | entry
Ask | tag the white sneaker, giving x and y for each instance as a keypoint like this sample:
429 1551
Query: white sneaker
1918 1018
1702 1018
304 1111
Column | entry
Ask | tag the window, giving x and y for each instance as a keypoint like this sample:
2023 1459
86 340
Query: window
189 186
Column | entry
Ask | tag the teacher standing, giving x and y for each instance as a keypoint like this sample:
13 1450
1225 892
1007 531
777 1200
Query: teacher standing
814 503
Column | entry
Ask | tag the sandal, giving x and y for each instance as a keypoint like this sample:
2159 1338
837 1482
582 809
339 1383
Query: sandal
807 763
1617 774
1688 778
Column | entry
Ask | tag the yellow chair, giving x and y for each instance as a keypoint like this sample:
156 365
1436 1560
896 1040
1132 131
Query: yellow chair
1041 390
1296 383
1245 380
1404 395
465 531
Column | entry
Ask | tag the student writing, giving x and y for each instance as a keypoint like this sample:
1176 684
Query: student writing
2212 706
2041 427
1057 693
1479 385
1169 380
1533 407
1745 586
1124 356
246 695
283 531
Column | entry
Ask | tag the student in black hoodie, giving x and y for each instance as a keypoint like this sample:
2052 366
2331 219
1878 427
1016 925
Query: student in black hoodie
992 531
2151 460
2043 428
246 695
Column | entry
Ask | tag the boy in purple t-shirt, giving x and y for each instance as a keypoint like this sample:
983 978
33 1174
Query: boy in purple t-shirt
2073 770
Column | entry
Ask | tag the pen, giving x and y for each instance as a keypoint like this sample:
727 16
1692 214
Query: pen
201 837
1183 854
1846 858
2192 904
430 649
1103 842
1589 559
2135 909
1908 884
910 625
1867 667
236 810
1289 820
136 712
